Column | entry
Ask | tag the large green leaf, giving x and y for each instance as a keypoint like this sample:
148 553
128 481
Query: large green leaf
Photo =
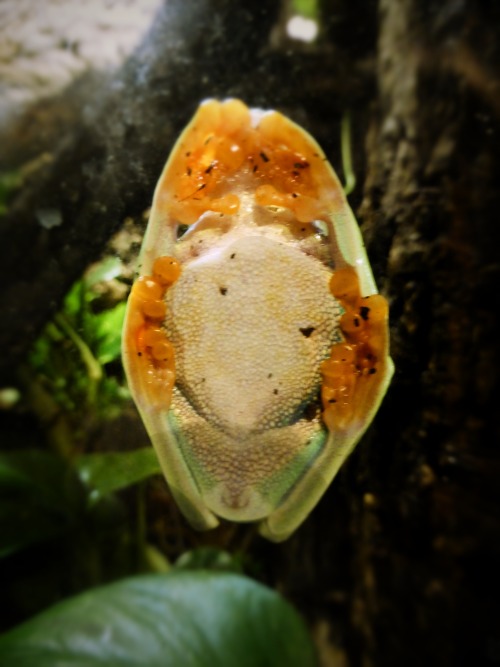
181 619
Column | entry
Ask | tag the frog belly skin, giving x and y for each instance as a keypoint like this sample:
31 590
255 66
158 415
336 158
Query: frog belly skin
255 344
246 343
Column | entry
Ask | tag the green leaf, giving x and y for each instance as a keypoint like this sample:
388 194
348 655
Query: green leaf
40 496
106 269
74 302
112 471
108 332
188 619
308 8
209 558
9 183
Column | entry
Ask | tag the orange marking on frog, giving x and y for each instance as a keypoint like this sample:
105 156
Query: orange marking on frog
349 370
155 353
286 171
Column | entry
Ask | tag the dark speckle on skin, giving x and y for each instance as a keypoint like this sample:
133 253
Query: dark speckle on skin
363 311
306 331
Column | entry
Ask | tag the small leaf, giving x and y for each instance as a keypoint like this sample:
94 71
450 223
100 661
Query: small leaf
74 301
209 558
107 269
107 331
193 619
9 183
111 471
307 8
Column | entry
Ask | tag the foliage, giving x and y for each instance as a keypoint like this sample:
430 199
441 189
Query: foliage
307 8
9 183
111 471
58 508
56 537
71 356
72 520
182 618
209 558
39 498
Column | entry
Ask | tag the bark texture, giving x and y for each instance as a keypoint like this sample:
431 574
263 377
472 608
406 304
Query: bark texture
398 563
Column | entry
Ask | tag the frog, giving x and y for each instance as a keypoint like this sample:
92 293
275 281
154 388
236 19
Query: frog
255 343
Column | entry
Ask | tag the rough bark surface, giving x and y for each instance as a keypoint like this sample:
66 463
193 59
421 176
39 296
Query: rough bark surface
398 563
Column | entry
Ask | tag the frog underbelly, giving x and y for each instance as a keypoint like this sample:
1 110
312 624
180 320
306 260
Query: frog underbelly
250 324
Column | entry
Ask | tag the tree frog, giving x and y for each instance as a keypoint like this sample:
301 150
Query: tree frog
255 342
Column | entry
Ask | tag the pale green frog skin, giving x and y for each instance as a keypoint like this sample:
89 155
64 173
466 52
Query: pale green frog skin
243 434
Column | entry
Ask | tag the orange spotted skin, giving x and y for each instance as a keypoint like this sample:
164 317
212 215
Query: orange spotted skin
348 372
286 169
146 339
255 343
